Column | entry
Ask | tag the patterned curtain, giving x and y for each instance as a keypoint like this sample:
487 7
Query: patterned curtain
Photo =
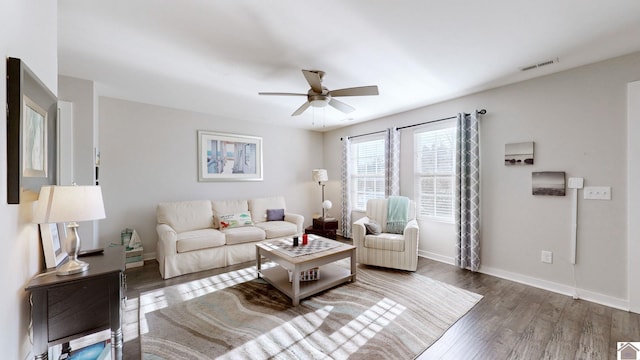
392 157
345 176
467 201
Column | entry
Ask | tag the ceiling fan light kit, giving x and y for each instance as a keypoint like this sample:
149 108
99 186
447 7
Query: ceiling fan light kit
320 96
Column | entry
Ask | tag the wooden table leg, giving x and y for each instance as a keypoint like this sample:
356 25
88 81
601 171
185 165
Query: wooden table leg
295 285
258 261
353 265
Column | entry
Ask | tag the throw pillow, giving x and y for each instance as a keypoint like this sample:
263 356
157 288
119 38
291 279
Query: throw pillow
230 221
275 214
373 228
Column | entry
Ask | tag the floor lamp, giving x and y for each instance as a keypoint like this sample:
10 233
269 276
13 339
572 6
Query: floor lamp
320 175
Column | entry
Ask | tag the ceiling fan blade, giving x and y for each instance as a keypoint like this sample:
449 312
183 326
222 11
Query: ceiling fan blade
341 106
281 93
314 78
301 109
356 91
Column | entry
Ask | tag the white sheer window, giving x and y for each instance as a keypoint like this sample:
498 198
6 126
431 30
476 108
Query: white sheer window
435 156
368 164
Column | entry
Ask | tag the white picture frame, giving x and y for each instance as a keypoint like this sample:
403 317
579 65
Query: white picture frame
229 157
53 236
34 150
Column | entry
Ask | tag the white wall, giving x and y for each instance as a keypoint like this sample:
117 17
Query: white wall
21 249
149 155
577 120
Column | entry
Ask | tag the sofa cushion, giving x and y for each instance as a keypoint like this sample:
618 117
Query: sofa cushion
275 214
276 229
199 239
186 215
385 241
243 235
230 221
259 206
221 207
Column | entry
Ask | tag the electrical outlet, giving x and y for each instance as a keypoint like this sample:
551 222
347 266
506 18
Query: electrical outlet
546 257
597 192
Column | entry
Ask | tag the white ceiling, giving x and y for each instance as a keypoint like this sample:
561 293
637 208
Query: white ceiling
215 56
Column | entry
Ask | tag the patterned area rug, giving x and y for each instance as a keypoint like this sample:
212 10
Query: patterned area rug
384 314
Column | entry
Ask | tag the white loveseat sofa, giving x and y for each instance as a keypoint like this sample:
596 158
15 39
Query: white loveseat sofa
203 234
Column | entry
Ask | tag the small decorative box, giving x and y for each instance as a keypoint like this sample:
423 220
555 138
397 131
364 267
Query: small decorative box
308 275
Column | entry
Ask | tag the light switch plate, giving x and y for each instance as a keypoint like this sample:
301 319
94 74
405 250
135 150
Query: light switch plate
597 193
575 183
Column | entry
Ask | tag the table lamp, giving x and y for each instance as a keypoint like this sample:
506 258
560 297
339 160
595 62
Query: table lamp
69 204
320 175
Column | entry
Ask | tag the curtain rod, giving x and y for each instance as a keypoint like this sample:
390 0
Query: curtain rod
481 112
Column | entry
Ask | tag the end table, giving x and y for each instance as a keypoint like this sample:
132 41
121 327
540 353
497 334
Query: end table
325 227
67 307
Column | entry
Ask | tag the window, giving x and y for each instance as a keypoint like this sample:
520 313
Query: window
435 157
367 178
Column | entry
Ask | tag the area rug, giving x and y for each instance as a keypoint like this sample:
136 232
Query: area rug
384 314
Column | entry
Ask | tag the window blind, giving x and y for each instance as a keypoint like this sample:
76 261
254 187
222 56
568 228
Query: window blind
435 153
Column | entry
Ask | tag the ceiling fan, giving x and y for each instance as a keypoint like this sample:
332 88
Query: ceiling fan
320 96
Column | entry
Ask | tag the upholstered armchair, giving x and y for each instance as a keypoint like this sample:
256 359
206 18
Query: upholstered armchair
398 251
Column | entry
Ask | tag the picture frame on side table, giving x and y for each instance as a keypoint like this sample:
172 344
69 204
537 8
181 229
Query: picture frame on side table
53 236
229 157
31 133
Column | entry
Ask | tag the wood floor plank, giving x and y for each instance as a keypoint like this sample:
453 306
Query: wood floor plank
566 330
595 334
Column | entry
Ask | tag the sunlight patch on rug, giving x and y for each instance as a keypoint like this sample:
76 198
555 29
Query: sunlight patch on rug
161 298
386 314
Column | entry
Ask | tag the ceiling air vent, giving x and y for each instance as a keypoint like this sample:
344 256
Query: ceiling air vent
541 64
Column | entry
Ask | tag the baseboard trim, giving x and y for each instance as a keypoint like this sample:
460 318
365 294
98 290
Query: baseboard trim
583 294
606 300
149 256
437 257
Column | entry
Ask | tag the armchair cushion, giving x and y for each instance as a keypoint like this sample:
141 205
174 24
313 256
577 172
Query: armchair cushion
390 242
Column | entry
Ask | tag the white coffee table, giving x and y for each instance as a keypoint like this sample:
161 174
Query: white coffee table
330 274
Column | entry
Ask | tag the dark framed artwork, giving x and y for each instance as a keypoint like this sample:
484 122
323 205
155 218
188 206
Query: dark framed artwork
548 183
519 153
31 132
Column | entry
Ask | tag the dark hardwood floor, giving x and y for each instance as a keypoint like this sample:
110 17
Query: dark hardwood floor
512 321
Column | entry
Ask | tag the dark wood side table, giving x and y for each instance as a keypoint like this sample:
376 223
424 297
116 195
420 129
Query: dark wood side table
68 307
325 227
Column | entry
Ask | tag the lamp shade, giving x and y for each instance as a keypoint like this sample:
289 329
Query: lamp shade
319 175
58 204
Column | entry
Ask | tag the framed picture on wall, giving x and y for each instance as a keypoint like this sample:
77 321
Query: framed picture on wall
550 183
229 157
53 236
31 133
